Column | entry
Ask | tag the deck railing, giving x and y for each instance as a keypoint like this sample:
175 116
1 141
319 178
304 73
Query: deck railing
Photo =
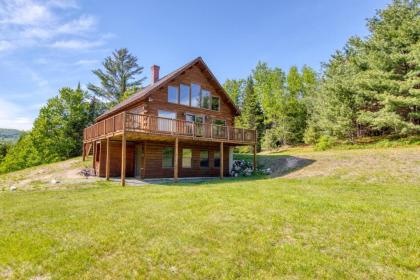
130 122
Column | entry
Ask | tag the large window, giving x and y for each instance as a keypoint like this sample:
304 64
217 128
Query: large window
204 158
173 94
184 94
205 99
216 159
215 103
186 158
195 95
168 157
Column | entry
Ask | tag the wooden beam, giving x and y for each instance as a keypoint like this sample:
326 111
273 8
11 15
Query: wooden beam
255 157
221 160
176 159
84 152
94 157
108 154
123 159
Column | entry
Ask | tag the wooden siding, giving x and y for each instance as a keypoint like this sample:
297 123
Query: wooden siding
115 159
159 99
152 160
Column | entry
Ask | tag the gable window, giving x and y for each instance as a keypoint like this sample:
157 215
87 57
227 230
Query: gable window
204 158
195 95
173 94
216 159
215 103
186 158
168 157
205 99
184 94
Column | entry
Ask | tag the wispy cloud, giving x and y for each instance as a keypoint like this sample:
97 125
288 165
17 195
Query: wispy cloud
87 62
77 44
30 23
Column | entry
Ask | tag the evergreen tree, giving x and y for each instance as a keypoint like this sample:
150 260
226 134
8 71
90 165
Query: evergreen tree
235 89
252 115
121 72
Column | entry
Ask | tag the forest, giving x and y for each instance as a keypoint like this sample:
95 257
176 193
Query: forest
369 88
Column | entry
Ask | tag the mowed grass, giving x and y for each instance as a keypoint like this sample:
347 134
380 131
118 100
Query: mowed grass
328 226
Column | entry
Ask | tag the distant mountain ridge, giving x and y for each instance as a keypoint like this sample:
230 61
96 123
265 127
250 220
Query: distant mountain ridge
10 135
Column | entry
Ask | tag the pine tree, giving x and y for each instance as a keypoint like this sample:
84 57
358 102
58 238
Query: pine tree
120 74
252 115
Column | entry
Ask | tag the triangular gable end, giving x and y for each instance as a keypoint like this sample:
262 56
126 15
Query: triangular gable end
164 81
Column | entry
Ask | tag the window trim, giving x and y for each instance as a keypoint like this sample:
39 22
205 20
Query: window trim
208 159
189 94
211 103
190 158
201 99
177 94
214 159
199 95
173 156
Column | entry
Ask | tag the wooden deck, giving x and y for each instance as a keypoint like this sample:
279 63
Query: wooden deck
126 122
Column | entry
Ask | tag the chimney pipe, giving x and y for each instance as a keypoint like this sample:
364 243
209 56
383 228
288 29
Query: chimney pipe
155 73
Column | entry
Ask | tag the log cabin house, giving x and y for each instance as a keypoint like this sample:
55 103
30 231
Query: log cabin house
181 125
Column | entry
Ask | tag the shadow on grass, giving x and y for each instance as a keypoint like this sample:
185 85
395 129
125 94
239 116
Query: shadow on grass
280 165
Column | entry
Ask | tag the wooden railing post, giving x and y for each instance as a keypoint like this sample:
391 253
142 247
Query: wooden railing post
123 159
123 121
108 155
176 159
221 160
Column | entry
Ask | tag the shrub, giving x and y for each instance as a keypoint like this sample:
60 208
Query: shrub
325 142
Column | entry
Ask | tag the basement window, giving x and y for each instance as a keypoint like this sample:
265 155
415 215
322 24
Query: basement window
217 159
204 158
186 158
168 157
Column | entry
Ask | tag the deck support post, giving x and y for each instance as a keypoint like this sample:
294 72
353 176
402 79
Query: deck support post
108 153
176 159
221 160
94 157
255 157
84 152
123 159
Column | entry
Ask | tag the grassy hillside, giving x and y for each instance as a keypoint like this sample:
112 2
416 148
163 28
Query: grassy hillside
9 135
342 214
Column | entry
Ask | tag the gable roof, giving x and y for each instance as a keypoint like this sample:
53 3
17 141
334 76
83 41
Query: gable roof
144 93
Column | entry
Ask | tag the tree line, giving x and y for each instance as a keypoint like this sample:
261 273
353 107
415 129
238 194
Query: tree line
371 87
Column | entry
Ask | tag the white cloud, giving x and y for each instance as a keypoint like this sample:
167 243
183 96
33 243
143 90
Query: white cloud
24 12
76 44
86 62
31 23
77 26
64 4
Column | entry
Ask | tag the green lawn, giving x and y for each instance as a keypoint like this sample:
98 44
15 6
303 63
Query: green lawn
254 228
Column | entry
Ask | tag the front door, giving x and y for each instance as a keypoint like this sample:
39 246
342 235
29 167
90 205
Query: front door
138 154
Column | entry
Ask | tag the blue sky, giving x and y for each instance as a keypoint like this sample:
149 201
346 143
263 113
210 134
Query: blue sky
46 45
